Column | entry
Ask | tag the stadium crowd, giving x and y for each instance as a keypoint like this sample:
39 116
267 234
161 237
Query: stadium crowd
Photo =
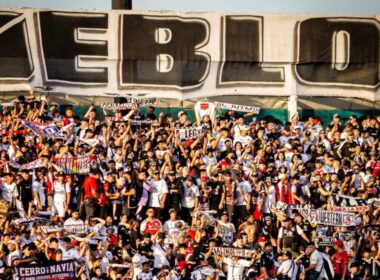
232 202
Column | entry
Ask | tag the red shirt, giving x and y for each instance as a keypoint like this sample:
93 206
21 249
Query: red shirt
341 260
90 184
291 199
281 191
151 226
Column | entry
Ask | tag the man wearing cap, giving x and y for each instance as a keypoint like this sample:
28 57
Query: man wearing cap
14 253
340 260
287 236
158 194
61 198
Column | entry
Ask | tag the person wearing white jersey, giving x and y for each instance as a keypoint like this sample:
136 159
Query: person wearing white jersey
10 193
61 196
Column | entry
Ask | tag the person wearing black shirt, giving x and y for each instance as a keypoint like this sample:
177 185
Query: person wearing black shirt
217 194
175 192
31 256
267 268
24 185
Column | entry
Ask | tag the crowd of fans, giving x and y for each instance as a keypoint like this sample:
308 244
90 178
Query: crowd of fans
156 206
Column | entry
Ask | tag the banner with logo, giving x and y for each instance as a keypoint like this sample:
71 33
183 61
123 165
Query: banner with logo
348 241
75 165
236 107
346 203
324 240
330 218
130 103
234 252
45 130
30 165
71 229
189 55
63 271
188 132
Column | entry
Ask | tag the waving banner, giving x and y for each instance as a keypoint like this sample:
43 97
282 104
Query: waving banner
47 130
346 203
75 165
62 270
330 218
73 229
236 107
30 165
188 55
234 252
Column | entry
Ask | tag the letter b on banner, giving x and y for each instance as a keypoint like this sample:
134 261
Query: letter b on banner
339 51
163 50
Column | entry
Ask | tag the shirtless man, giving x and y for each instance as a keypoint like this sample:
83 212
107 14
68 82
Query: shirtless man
250 228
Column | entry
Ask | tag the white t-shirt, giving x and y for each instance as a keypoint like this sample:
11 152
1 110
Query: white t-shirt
159 253
189 195
171 228
37 186
246 189
317 259
244 140
235 269
270 198
288 268
60 190
70 254
145 276
9 191
158 189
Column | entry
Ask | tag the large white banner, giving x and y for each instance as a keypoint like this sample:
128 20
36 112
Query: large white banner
188 55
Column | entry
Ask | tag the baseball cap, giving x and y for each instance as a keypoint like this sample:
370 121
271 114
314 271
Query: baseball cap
172 210
336 116
180 113
262 239
171 173
60 173
268 218
338 243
